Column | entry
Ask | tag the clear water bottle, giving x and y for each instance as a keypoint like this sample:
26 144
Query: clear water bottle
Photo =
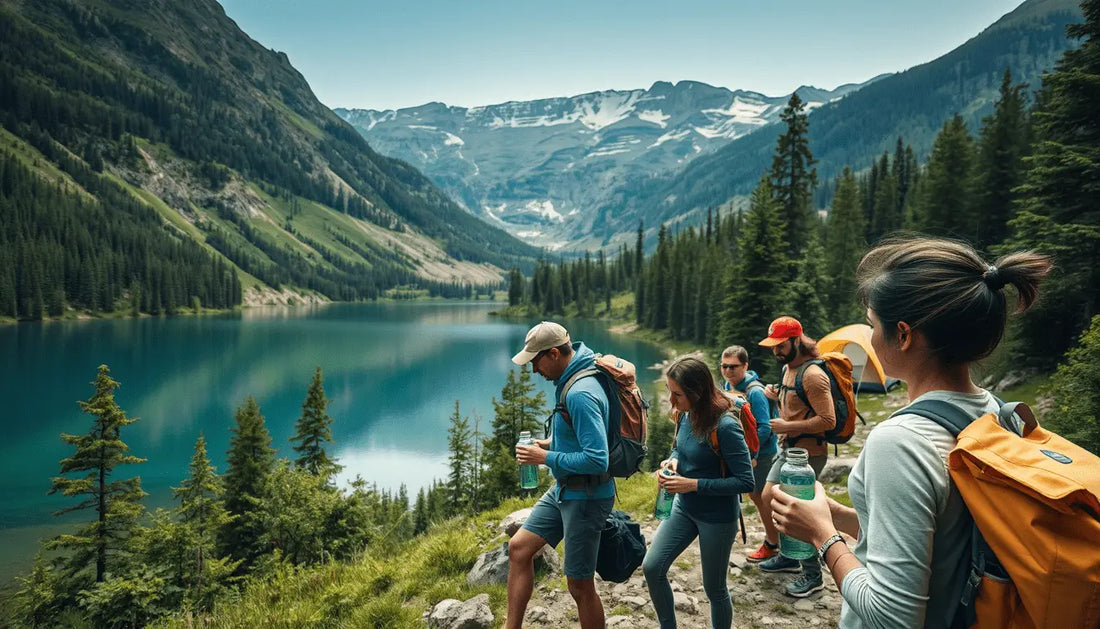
664 499
528 474
797 478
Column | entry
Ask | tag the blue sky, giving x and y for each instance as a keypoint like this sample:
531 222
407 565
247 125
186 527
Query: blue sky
401 53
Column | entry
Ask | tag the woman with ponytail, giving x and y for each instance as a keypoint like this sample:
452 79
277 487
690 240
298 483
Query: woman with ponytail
935 307
706 485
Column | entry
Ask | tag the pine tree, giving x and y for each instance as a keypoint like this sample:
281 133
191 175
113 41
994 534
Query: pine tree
1002 144
1057 211
810 289
518 409
203 514
844 246
460 462
515 287
946 206
793 177
313 431
102 544
887 212
755 288
250 460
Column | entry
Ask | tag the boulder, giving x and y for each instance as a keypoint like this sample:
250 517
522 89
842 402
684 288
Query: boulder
492 566
538 615
454 614
836 469
685 603
513 521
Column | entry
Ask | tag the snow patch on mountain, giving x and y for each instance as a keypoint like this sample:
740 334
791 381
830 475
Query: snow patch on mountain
671 135
656 116
543 208
452 140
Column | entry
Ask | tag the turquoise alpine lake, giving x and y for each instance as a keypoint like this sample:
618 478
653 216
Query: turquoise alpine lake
392 373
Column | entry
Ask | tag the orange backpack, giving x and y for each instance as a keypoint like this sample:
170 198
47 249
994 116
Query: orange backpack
1035 500
838 367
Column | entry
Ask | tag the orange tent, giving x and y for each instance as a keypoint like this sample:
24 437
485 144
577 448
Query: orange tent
855 342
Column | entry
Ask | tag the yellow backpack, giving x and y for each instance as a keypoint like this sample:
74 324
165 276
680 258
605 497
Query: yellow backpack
1035 501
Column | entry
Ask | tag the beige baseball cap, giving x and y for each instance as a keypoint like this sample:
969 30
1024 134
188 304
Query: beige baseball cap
541 337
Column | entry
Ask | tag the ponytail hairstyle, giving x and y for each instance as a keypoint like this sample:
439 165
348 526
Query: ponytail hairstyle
947 291
708 403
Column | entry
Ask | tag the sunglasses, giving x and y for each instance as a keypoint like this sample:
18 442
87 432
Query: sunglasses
732 366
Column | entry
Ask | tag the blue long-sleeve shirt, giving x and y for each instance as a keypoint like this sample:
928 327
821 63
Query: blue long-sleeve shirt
582 447
761 411
716 500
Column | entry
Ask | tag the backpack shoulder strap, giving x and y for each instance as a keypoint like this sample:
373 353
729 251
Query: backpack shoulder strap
561 408
949 416
754 383
798 388
717 449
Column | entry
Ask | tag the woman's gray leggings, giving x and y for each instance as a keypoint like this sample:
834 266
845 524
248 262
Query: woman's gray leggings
673 536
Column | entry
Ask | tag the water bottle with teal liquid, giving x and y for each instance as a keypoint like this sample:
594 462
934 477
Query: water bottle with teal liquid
665 498
528 473
797 478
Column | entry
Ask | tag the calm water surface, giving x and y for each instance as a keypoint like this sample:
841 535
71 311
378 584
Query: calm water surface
391 372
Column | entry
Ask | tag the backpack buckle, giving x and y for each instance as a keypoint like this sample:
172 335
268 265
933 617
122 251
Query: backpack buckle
973 582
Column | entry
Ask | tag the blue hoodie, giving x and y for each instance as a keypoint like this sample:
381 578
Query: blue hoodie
761 411
582 448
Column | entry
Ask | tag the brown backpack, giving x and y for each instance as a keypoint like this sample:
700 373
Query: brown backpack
626 429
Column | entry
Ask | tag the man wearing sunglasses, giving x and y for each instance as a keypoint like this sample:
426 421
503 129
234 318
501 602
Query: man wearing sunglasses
575 508
738 376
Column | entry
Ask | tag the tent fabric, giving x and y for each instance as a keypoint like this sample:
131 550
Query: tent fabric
855 342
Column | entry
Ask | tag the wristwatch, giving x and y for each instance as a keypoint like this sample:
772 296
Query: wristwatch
829 544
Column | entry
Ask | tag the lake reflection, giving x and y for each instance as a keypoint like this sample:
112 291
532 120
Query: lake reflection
392 373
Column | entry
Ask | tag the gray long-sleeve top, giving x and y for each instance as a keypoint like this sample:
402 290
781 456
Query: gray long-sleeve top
914 531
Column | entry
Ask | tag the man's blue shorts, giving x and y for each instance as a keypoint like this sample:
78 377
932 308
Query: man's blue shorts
578 522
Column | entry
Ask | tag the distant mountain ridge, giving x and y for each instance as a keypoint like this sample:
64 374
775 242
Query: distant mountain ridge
537 167
913 105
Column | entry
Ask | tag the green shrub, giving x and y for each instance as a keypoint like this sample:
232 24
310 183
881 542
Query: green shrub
1076 410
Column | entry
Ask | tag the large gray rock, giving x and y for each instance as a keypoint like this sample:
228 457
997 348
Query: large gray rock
513 521
454 614
836 469
685 603
492 566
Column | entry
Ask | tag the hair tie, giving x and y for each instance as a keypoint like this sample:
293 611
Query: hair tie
993 278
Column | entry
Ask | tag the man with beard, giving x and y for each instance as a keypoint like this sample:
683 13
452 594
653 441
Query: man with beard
798 425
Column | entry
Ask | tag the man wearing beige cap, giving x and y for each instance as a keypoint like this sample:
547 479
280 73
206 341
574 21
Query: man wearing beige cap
575 507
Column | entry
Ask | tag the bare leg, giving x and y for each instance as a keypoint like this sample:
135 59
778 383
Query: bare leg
589 605
521 574
763 502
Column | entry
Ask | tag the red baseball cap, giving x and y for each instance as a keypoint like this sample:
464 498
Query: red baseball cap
782 329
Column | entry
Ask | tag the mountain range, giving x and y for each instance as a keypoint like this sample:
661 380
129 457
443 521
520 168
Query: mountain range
580 173
536 168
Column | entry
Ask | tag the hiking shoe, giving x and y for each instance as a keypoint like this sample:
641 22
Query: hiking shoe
805 585
779 563
766 551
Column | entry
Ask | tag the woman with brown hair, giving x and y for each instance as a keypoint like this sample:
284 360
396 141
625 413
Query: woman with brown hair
935 307
706 485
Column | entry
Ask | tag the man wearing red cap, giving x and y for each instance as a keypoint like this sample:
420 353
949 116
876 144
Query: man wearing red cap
798 425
